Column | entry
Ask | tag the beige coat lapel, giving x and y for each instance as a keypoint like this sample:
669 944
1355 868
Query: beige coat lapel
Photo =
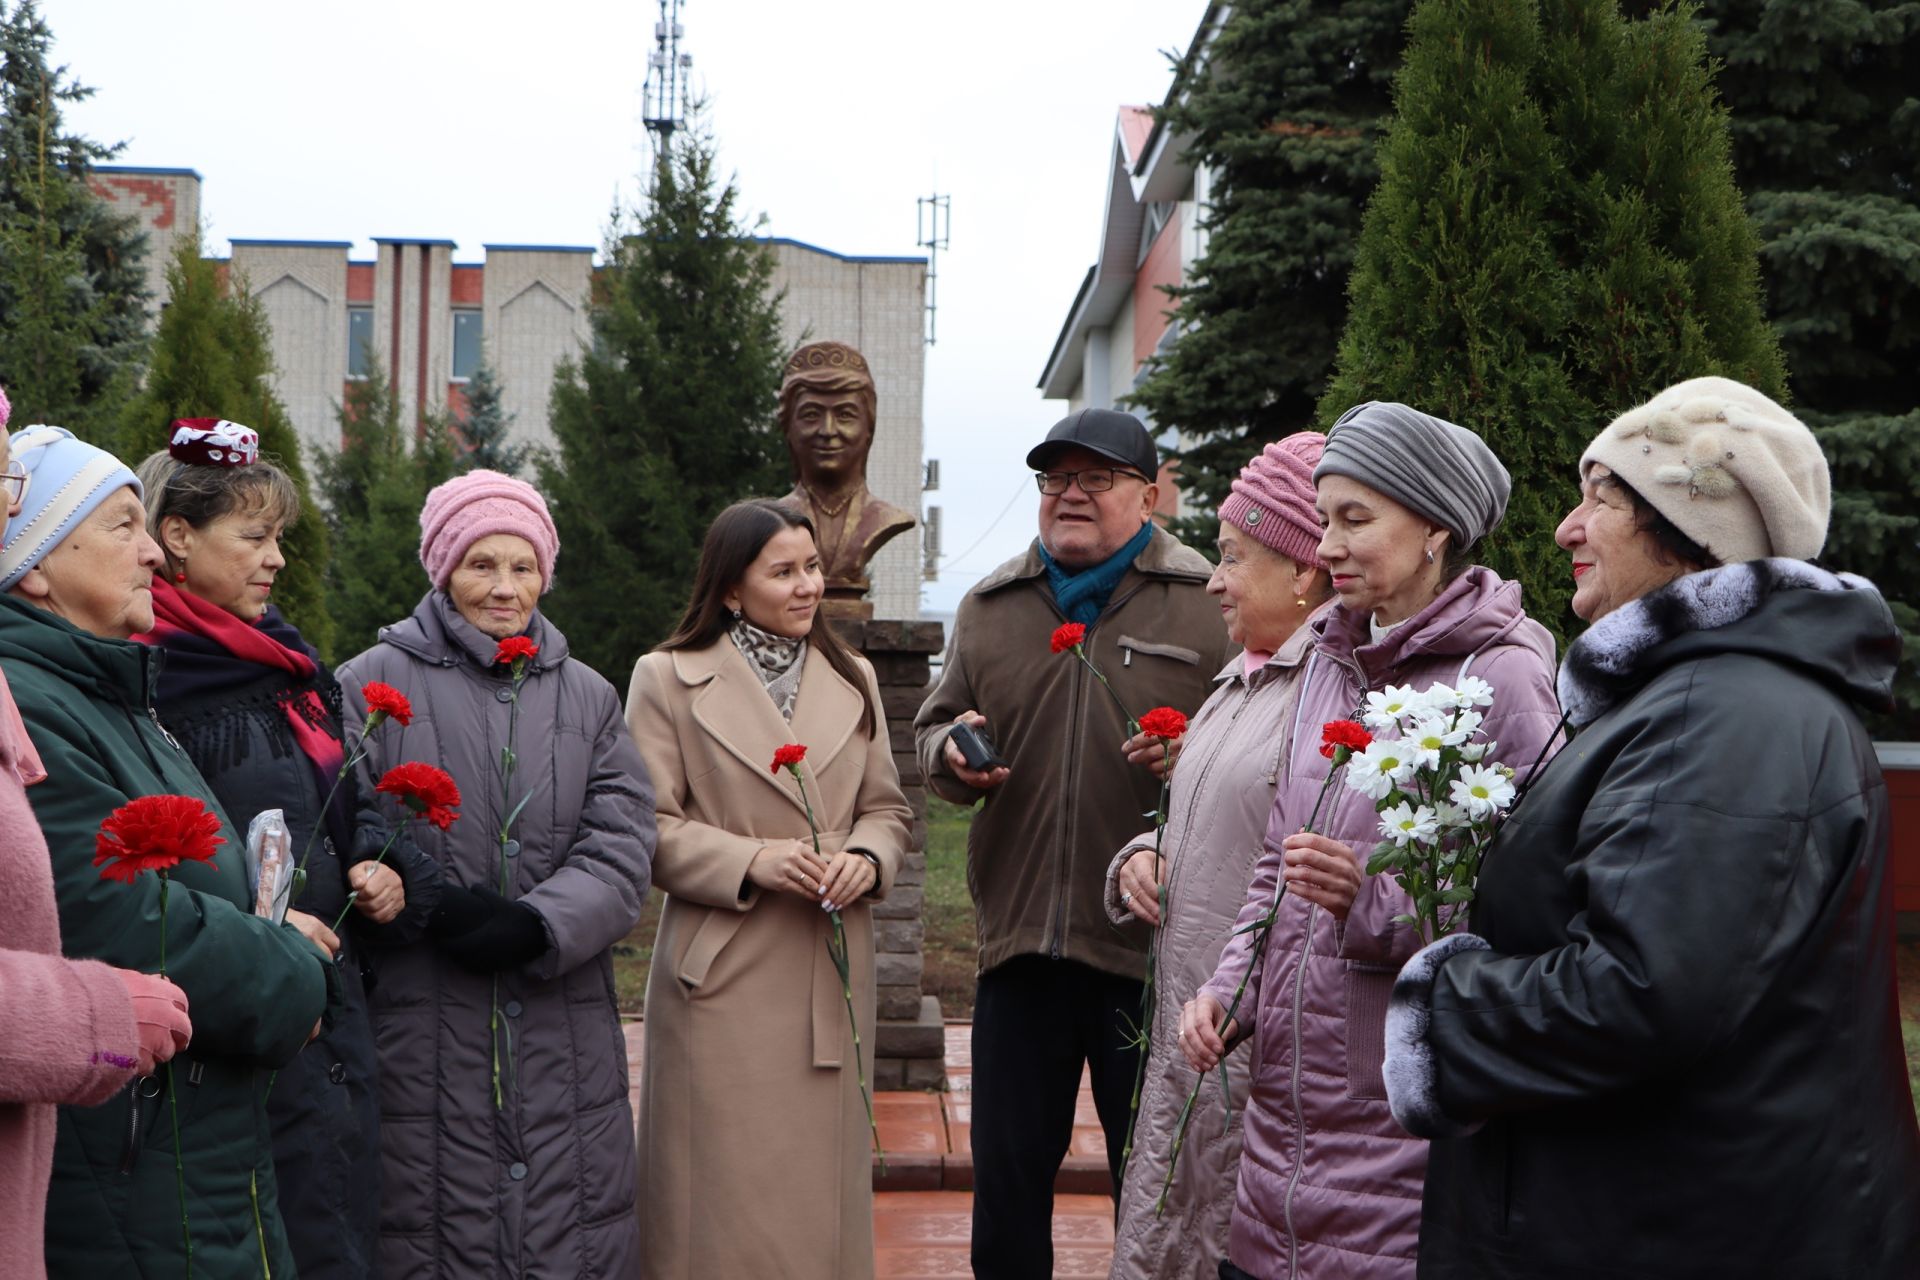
734 709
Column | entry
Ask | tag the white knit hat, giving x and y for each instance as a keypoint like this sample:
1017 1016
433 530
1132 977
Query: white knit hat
1730 468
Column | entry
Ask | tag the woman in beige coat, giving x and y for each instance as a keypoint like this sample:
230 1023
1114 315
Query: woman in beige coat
754 1145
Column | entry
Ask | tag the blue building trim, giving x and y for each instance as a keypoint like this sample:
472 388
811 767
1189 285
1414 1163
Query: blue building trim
842 257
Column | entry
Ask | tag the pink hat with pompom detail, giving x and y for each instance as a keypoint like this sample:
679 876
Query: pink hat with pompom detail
1272 500
6 408
477 505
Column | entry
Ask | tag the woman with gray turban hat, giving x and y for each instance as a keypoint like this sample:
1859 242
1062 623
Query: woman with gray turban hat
1329 1184
1678 1000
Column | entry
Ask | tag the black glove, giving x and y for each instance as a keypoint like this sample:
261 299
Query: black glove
483 932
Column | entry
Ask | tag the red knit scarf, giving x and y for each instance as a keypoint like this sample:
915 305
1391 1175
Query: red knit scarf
176 612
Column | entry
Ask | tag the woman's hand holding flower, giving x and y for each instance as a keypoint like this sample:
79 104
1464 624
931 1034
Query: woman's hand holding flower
849 876
379 892
788 866
1321 871
1150 751
1202 1039
1139 889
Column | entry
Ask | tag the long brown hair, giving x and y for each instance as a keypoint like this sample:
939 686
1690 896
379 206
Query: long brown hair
733 542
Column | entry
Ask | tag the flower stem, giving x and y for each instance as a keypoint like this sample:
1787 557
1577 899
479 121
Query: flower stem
1133 725
1149 998
1260 928
173 1102
837 952
508 759
259 1231
352 761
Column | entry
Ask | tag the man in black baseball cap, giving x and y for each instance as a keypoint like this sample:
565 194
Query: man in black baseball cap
1059 983
1107 432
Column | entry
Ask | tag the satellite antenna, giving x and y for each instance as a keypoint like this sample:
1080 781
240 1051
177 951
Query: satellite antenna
668 71
934 215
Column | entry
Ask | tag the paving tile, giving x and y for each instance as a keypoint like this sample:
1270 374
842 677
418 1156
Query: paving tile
910 1122
1088 1140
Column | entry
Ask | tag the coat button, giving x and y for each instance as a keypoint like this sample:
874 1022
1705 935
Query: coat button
504 693
337 1073
512 1009
510 849
517 1171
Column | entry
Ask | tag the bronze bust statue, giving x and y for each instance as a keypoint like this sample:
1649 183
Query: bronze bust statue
827 412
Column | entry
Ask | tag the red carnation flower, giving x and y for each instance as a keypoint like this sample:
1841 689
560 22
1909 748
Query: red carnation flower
1164 723
514 649
1068 635
1347 735
155 833
428 791
385 702
788 757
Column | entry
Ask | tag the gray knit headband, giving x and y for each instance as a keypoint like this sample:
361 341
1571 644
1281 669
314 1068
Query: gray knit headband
1435 469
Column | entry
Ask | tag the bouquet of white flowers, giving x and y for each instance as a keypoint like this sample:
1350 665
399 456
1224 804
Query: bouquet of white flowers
1438 793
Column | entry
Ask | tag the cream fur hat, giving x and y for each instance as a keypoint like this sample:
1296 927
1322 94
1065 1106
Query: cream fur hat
1730 468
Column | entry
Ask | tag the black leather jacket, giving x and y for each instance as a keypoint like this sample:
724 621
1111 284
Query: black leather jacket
1683 1040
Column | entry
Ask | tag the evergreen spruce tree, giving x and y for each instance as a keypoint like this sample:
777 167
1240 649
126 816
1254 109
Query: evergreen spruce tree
213 358
374 488
1825 98
669 415
72 293
1285 109
484 426
1557 235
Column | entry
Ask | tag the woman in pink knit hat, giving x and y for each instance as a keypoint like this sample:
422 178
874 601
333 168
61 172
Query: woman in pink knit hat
506 1133
1269 584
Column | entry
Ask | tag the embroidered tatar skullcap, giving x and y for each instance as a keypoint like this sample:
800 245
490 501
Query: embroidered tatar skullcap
1428 465
1731 468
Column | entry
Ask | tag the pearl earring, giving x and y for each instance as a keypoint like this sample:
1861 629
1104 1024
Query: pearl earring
1429 555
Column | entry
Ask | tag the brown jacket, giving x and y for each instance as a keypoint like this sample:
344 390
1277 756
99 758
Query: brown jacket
1037 853
754 1146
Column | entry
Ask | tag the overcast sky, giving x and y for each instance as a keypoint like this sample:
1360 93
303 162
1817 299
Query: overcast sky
519 123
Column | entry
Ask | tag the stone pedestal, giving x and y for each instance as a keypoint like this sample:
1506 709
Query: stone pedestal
910 1043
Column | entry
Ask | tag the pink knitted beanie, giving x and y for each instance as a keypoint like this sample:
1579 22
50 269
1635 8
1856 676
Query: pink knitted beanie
477 505
1273 498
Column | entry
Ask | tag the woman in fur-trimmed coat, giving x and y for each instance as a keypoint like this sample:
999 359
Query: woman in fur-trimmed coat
1670 1046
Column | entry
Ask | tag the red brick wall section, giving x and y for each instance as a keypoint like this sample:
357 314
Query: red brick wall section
149 193
1150 304
466 286
1903 788
359 284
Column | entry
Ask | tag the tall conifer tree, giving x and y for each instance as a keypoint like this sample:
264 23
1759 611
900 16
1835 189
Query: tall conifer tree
375 487
213 358
1825 100
669 414
72 292
1557 235
1285 109
484 426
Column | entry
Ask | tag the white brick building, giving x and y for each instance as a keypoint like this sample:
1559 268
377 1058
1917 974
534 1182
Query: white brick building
428 318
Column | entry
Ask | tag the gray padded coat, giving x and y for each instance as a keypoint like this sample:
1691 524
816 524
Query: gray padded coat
544 1185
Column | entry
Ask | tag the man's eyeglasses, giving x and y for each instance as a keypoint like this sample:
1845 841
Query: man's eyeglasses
15 478
1092 480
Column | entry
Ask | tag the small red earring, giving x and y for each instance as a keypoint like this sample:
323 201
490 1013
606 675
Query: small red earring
180 577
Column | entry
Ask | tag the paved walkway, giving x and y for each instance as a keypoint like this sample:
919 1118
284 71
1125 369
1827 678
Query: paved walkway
923 1204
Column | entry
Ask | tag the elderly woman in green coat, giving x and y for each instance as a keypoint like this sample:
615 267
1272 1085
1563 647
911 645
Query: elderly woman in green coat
76 569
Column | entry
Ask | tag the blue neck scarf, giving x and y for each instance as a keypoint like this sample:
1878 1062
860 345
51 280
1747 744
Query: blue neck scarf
1083 596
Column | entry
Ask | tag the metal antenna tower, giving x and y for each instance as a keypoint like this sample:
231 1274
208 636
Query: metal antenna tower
934 215
668 71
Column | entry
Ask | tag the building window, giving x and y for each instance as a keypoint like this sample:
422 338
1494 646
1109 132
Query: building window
359 341
466 344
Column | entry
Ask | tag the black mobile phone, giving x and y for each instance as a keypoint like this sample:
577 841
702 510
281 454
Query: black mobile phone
976 749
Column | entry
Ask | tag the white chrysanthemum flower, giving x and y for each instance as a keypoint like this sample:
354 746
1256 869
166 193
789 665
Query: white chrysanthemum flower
1483 790
1429 736
1475 752
1385 762
1441 700
1450 817
1464 726
1473 692
1406 824
1386 708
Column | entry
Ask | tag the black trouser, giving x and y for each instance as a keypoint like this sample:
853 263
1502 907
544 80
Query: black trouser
1035 1022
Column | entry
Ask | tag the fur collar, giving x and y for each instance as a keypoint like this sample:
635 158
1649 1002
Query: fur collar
1604 666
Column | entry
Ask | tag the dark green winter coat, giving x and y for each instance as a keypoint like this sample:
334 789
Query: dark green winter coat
255 989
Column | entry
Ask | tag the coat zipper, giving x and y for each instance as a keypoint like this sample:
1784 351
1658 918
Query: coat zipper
1299 1121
